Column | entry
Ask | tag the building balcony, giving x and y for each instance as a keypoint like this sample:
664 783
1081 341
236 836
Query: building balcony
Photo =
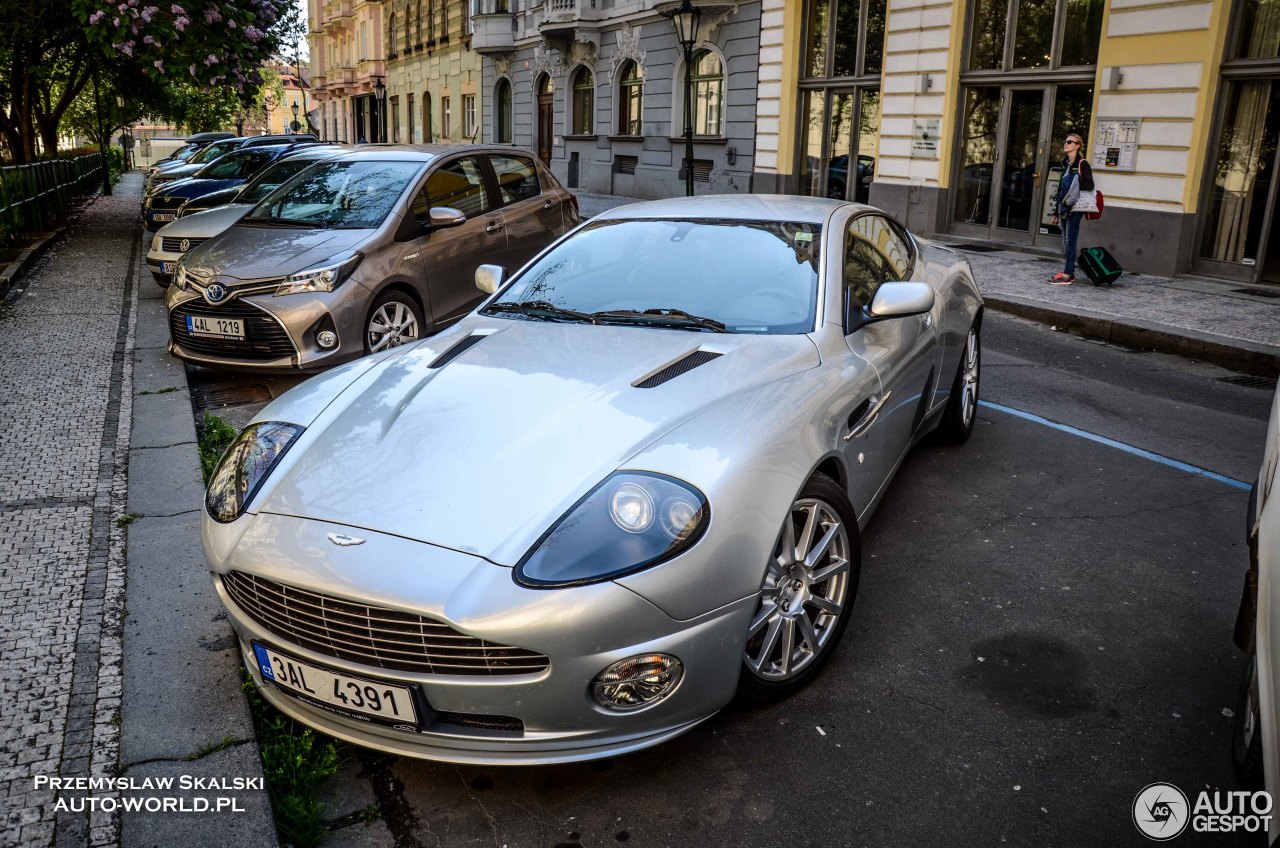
570 18
367 68
493 26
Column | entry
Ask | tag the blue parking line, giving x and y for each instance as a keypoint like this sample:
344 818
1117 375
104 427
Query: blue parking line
1103 440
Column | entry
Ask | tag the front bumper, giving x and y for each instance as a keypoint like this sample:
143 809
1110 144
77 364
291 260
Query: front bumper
581 630
295 317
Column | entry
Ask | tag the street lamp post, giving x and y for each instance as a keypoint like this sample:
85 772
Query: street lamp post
295 126
685 18
380 95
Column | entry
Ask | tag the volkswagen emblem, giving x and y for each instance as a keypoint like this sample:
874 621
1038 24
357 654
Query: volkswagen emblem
342 540
185 245
215 293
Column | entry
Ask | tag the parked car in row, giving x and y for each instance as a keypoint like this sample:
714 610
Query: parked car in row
360 253
179 170
627 490
194 144
228 171
204 217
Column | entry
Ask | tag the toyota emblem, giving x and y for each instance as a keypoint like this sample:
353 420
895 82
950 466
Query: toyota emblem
185 245
215 293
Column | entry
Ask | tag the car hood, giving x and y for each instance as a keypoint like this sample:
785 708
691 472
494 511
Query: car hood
482 454
248 252
206 224
180 171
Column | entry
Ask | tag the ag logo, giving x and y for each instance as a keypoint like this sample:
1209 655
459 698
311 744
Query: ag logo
215 293
1161 811
184 245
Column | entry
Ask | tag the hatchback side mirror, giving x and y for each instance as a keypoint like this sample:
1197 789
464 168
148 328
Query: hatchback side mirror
442 217
489 278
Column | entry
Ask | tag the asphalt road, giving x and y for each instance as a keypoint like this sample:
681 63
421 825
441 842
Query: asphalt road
1043 627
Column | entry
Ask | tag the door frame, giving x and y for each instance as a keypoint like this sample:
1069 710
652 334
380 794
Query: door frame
544 100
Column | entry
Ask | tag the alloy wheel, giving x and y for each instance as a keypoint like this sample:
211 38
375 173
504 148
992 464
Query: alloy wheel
391 325
803 594
969 379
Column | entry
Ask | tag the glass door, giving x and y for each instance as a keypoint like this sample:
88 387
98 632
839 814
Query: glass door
1003 163
838 143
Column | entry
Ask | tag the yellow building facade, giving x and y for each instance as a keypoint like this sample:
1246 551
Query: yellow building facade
951 115
433 75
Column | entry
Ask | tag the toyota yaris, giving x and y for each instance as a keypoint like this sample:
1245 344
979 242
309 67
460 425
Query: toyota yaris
627 489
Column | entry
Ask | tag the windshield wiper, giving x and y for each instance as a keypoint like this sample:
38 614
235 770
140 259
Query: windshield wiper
673 318
272 221
543 309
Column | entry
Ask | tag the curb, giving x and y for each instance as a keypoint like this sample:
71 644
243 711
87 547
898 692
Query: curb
1234 354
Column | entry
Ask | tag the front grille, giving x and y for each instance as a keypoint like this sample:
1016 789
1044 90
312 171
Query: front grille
265 337
174 245
371 635
479 722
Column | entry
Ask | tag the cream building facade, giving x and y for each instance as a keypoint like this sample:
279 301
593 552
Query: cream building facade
433 76
346 38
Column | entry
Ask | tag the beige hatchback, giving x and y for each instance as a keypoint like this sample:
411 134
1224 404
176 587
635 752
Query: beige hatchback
362 252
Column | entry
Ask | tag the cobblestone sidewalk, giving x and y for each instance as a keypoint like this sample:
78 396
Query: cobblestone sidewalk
64 413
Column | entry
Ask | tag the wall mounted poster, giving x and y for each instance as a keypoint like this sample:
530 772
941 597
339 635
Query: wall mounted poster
1115 144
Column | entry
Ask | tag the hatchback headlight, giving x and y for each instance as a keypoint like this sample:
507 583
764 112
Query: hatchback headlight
180 274
245 465
631 521
322 278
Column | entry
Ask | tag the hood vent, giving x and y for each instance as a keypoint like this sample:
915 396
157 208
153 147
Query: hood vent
675 369
457 350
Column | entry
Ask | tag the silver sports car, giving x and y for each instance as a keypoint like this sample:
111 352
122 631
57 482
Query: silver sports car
626 490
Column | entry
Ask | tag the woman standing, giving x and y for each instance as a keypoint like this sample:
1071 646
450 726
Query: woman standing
1075 171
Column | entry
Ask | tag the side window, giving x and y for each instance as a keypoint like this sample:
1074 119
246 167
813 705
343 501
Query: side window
458 184
864 267
517 178
882 235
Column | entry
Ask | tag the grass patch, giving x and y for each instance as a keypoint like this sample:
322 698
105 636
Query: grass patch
211 748
166 390
296 761
215 436
127 519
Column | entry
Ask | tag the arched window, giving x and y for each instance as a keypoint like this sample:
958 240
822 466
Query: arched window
502 116
391 38
708 94
419 23
630 100
408 27
431 20
584 101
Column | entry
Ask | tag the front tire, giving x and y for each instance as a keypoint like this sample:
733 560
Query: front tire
1246 736
806 596
962 405
394 319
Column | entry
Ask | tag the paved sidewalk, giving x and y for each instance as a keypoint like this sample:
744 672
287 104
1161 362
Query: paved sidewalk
1202 319
100 492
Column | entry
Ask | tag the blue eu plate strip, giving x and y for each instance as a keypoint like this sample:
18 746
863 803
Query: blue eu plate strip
1103 440
264 661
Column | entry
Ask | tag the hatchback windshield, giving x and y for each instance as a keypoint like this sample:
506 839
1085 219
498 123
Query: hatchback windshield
708 274
343 195
272 178
242 163
213 151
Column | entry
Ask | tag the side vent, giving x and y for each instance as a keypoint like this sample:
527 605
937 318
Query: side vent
456 351
675 369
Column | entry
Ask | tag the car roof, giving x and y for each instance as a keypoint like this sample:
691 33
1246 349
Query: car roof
426 152
324 150
740 207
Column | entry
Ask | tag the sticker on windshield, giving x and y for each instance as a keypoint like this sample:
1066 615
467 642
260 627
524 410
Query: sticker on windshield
803 237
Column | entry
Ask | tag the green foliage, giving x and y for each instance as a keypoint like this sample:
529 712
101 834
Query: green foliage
127 519
215 436
296 762
210 748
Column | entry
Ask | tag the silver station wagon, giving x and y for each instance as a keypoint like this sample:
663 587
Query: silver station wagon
361 253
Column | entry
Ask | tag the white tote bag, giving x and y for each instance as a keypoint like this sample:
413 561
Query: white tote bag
1087 202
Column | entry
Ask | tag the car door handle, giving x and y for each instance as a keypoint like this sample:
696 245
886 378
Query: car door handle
494 227
865 415
551 204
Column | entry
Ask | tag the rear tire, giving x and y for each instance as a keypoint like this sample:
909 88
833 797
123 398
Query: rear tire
806 596
1246 736
962 405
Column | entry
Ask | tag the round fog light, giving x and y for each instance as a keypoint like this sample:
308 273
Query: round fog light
327 339
637 682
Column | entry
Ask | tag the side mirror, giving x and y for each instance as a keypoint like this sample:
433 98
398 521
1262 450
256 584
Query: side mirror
898 300
489 278
442 217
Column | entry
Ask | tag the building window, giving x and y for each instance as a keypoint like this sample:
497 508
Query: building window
832 38
631 100
419 23
408 28
469 116
431 21
391 38
1010 34
394 104
502 117
427 133
708 94
446 117
409 112
584 98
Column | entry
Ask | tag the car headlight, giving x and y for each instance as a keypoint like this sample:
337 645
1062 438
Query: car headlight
180 273
322 278
631 521
244 466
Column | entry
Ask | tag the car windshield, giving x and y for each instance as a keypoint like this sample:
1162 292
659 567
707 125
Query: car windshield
241 163
343 195
272 178
743 276
212 152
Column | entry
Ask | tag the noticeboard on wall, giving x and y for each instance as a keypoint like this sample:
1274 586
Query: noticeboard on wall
1115 144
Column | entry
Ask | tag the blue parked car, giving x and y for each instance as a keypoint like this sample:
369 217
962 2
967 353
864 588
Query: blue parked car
228 171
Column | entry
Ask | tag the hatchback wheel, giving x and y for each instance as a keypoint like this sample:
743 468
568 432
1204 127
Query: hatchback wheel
1246 736
394 320
806 596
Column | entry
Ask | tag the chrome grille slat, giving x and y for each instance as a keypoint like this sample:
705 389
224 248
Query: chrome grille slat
358 632
174 245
